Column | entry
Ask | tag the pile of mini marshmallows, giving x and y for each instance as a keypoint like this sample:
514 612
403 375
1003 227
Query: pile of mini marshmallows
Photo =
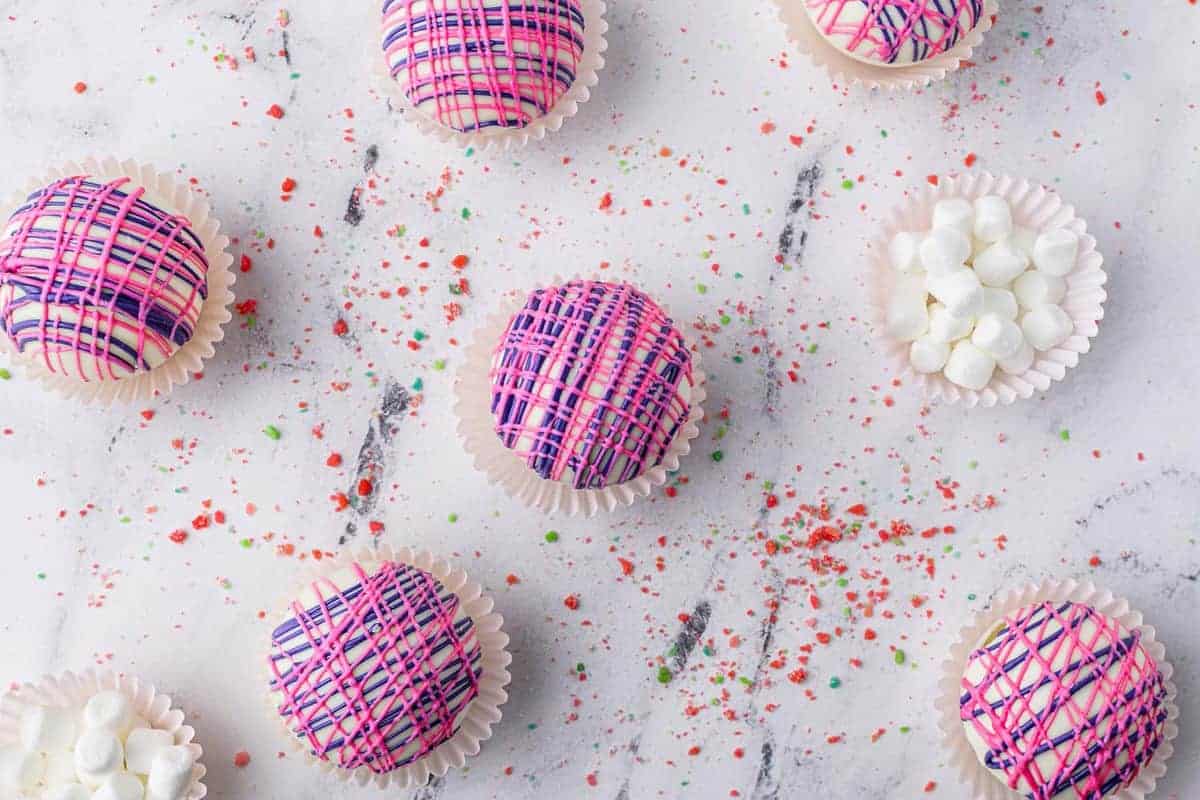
995 290
104 752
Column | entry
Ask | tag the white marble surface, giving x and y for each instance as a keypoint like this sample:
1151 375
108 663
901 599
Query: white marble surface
90 497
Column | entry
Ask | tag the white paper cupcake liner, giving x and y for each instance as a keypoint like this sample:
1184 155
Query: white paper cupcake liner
983 784
71 690
1033 206
476 429
178 369
844 68
586 77
481 713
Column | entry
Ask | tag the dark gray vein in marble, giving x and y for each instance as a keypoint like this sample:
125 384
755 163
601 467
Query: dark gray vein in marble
431 791
687 638
767 782
371 159
804 191
246 20
793 241
766 785
373 455
354 209
118 435
1186 478
766 633
634 747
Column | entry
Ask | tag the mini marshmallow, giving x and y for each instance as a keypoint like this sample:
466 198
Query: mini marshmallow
1047 327
141 747
47 730
969 367
928 354
945 327
1000 301
904 252
977 247
170 774
993 218
110 711
954 212
69 791
121 787
20 769
1055 252
1024 239
60 768
1018 363
960 292
907 316
997 336
1036 288
945 250
98 755
1000 264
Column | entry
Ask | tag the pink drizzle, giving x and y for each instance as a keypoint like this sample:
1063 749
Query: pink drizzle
1042 648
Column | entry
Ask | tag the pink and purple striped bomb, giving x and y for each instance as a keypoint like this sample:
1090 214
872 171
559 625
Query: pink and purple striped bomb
895 33
480 66
99 280
591 384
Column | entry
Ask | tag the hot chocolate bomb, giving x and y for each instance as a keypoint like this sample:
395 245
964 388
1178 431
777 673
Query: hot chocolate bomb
894 33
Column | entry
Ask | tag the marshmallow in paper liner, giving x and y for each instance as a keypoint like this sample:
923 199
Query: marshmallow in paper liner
963 758
1033 206
476 429
213 314
72 690
48 730
73 791
475 719
587 76
99 755
844 68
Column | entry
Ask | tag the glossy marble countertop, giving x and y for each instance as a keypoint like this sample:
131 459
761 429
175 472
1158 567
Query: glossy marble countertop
718 169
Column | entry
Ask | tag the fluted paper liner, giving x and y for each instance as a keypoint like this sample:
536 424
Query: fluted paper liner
480 714
71 690
1033 206
188 359
477 430
844 68
984 784
586 77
